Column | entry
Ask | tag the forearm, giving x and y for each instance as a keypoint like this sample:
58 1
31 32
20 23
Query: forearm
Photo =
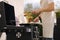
48 8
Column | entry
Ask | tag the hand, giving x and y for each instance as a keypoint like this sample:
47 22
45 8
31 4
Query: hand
36 19
36 12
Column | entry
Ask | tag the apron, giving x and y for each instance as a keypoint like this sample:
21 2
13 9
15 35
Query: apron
47 21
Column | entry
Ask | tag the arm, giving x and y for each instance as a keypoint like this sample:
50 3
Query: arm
48 8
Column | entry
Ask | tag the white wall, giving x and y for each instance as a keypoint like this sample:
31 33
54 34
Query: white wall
19 9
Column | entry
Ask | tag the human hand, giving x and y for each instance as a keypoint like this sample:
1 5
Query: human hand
36 19
36 12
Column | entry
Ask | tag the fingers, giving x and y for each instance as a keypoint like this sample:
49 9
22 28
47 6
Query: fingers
35 12
36 19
